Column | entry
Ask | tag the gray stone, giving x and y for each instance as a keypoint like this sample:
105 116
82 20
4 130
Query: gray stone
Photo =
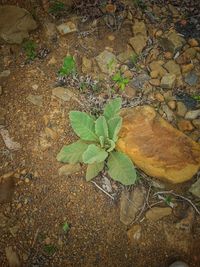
69 169
12 257
15 23
192 114
191 78
10 144
179 264
35 100
4 73
107 62
63 93
139 81
195 188
157 213
168 81
67 27
169 113
130 204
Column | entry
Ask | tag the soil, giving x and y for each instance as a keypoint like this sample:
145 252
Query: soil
43 201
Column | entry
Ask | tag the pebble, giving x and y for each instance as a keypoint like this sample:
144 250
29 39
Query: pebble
155 82
1 90
159 97
181 109
154 74
192 114
168 81
157 213
179 264
134 233
172 104
187 68
111 37
27 180
191 78
168 55
193 42
185 125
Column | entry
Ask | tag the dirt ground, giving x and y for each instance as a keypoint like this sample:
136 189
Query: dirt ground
43 201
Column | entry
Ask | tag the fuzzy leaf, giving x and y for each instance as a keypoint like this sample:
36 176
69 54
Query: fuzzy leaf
72 153
94 154
101 127
111 144
101 141
121 168
112 108
93 170
83 125
68 67
114 126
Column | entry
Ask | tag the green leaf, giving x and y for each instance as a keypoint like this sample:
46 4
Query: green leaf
101 141
114 126
93 170
65 227
72 153
111 145
68 67
112 108
94 154
121 168
83 125
101 127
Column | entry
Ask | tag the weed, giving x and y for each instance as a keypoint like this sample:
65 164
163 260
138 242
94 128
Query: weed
50 249
65 227
196 97
96 146
30 49
120 80
68 67
56 7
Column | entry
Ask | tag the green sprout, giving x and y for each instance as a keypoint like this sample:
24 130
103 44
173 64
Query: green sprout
120 80
30 49
68 67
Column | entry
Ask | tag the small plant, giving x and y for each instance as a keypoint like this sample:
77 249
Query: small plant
134 59
30 49
196 97
50 249
65 227
96 146
56 7
120 80
68 67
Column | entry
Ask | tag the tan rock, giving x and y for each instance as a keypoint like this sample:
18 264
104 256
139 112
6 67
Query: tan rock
69 169
134 233
159 33
155 82
152 56
173 67
156 147
86 65
139 27
157 66
193 42
172 104
168 81
154 74
138 43
130 92
128 74
185 125
157 213
181 109
187 56
187 68
159 97
168 55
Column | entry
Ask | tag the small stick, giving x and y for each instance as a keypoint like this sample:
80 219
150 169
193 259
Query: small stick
182 197
103 190
35 237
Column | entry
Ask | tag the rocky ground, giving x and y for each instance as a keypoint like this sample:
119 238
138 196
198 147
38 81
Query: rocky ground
49 214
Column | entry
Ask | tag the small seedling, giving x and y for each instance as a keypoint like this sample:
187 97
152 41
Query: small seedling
65 227
96 146
68 67
50 249
120 80
196 97
56 7
30 49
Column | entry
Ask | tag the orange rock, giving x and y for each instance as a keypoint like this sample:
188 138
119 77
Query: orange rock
155 82
154 74
168 55
159 97
187 68
193 42
172 104
185 125
156 147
